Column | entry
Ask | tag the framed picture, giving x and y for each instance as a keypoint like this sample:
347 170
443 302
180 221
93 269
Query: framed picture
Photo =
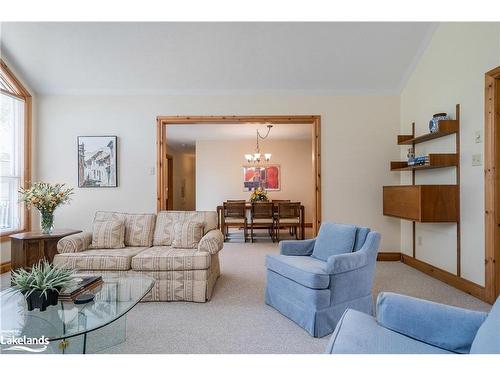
267 177
97 165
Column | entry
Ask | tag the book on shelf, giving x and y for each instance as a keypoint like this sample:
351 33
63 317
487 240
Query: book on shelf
83 284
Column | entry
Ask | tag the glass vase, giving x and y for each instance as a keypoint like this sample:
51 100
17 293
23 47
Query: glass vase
47 221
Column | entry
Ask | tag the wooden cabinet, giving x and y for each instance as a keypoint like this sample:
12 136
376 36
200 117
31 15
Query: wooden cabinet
29 248
422 203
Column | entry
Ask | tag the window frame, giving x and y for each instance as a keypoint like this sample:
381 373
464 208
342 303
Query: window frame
16 89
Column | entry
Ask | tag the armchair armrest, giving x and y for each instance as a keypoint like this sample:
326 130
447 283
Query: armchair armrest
341 263
74 243
447 327
212 242
294 247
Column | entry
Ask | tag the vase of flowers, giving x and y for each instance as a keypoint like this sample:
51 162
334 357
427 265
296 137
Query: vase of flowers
259 195
41 286
46 198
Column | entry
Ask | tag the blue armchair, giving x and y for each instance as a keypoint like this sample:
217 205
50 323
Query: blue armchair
407 325
313 282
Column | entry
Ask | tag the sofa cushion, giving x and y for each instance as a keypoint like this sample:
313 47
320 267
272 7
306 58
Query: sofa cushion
304 270
99 259
166 258
164 228
334 239
487 340
108 234
139 228
187 234
359 333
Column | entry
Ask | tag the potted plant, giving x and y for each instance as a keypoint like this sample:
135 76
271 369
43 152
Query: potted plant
41 285
45 198
259 195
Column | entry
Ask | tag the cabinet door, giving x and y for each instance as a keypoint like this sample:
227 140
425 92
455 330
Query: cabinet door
33 252
402 202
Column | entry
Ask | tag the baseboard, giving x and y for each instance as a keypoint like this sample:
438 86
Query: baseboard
5 267
446 277
388 257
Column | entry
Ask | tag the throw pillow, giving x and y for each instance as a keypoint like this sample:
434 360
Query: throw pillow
334 239
109 234
187 234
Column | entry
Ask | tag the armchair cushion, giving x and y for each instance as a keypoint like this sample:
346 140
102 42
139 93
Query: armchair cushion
212 242
74 243
307 271
447 327
334 239
359 333
294 247
487 340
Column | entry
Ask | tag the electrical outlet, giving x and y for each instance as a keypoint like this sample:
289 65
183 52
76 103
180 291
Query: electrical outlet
419 240
477 160
478 136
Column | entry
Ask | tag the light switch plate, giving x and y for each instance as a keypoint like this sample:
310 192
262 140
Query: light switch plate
478 136
152 171
477 160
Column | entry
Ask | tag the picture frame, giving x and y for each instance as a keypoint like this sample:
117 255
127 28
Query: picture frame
267 177
97 161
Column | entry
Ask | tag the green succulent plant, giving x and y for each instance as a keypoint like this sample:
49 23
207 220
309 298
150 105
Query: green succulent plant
43 277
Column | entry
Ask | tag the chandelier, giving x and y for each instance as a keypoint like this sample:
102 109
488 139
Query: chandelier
257 156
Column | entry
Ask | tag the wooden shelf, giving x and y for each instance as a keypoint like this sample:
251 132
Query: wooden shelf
446 127
422 203
435 161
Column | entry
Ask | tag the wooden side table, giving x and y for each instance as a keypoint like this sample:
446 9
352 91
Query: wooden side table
28 248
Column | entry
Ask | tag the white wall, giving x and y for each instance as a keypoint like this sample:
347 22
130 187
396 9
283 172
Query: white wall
219 165
452 71
357 143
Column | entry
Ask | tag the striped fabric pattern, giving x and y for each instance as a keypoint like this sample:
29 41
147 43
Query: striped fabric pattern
165 258
108 234
187 234
74 243
139 228
212 242
99 259
164 230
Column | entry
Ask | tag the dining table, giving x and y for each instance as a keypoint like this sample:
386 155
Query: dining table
248 206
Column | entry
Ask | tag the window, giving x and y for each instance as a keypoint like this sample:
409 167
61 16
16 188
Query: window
15 110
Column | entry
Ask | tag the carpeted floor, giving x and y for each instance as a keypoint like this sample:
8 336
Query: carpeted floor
236 320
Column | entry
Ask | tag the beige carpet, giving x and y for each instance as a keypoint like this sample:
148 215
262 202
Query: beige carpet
236 320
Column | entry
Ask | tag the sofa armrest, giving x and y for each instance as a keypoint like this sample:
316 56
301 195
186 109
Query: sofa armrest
444 326
212 242
347 262
74 243
297 247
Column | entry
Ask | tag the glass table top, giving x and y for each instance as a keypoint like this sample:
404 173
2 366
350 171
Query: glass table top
113 299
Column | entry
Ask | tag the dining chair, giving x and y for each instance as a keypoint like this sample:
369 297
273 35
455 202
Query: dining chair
262 214
234 215
288 217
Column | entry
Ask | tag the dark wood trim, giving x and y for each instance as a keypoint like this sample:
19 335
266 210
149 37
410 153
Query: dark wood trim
457 282
492 183
388 257
4 267
161 147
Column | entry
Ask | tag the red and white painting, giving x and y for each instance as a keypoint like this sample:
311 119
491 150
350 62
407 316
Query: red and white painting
266 177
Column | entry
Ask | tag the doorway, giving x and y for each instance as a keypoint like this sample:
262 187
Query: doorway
314 121
492 184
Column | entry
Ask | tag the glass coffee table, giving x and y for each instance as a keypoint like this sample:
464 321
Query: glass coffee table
71 328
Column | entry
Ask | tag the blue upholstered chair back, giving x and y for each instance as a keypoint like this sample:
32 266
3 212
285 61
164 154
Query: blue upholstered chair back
487 338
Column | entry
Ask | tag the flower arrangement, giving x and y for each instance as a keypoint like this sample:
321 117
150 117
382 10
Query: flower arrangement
259 195
41 285
46 198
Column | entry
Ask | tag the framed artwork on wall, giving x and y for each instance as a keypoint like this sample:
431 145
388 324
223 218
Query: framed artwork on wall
267 177
97 161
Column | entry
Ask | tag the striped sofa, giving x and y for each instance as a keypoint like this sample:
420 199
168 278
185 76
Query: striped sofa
181 274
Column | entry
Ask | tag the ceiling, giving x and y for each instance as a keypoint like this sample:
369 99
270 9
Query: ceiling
184 137
184 58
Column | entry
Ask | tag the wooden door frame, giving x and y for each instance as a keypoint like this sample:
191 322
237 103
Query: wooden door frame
161 147
492 184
